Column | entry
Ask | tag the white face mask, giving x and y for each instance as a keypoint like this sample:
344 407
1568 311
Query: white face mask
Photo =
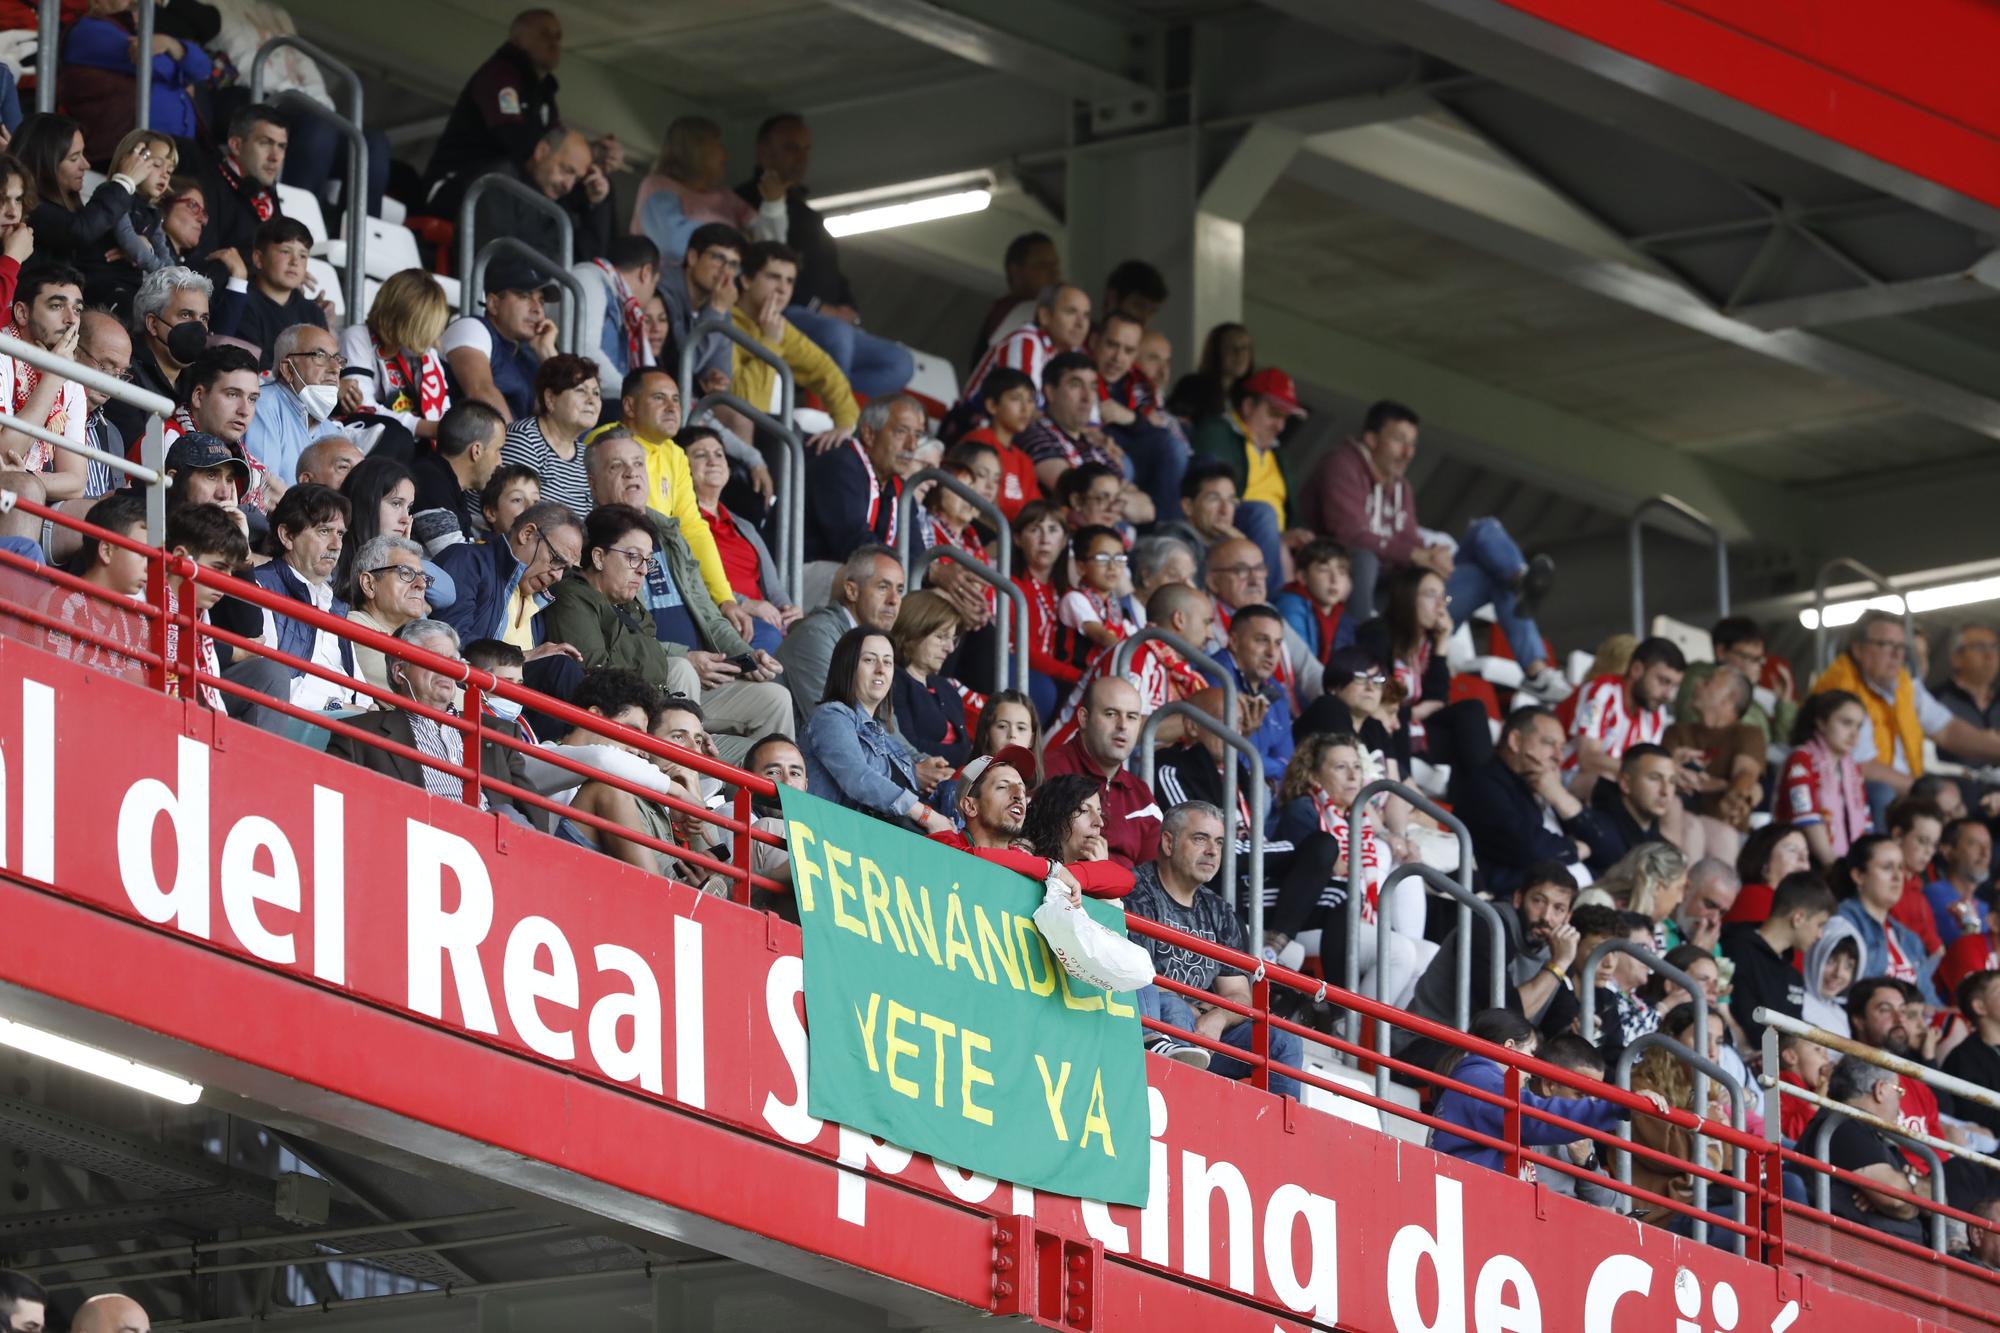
507 710
320 400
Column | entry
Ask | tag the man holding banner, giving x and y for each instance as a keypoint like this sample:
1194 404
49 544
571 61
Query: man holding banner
993 802
1170 891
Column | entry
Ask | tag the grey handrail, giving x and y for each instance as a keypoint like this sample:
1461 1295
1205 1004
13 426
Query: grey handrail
791 480
1687 513
1904 1067
1259 800
470 268
906 504
792 525
1820 660
1443 883
356 276
1704 1069
1468 901
152 466
48 53
1585 981
572 295
1823 1182
1009 592
1121 663
142 68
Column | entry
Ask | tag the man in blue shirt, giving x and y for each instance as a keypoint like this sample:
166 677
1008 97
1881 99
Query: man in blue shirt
297 405
1256 645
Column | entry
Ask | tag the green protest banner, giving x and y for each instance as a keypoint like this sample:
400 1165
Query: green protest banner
940 1021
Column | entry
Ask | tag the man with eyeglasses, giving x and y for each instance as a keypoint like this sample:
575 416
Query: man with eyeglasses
1969 691
1517 809
1739 643
1238 576
1874 667
297 403
503 587
104 346
390 588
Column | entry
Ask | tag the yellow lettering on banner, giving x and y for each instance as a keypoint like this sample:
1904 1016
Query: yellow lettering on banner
1088 1004
837 857
1032 945
1000 942
804 868
941 1028
867 1025
1052 1093
875 901
957 943
971 1110
895 1046
1095 1121
921 929
1115 1009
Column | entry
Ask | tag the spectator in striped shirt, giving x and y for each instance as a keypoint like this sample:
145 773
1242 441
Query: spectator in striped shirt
1130 412
1061 324
1615 713
1064 438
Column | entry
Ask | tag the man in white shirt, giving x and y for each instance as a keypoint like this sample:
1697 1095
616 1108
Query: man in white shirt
48 312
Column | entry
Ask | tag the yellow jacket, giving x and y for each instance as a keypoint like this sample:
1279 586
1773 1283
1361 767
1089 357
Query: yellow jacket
812 370
670 491
1892 722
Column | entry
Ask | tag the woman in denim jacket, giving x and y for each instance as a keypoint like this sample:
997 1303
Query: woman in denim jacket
851 757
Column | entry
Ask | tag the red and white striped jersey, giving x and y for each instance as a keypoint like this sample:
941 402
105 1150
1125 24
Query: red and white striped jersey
1161 675
1603 714
1027 349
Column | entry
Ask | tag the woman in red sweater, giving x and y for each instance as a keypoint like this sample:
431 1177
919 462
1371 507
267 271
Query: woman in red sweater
1042 574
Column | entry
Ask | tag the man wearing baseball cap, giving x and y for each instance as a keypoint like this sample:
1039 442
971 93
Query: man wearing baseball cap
203 469
993 796
493 356
1246 438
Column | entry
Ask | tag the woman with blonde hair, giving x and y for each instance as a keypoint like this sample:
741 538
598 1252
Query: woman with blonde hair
1650 879
394 368
689 187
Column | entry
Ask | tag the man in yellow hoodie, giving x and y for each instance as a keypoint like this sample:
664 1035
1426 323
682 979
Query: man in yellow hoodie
1901 711
770 273
650 409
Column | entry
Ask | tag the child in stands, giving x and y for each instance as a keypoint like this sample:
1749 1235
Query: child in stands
1093 608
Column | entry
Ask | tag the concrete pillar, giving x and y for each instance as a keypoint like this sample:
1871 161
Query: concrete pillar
1178 200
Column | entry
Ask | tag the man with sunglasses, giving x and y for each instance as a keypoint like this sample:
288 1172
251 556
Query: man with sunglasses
1874 667
1518 809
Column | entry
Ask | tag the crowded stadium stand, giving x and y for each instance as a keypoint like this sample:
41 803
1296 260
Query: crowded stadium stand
1098 664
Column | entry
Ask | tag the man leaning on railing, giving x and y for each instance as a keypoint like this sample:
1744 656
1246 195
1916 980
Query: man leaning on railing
1860 1148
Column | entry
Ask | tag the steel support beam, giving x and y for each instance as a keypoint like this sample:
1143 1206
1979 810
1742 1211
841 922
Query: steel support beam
1419 201
1060 46
1875 301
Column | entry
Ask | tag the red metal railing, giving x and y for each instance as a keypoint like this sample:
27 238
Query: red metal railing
1760 1221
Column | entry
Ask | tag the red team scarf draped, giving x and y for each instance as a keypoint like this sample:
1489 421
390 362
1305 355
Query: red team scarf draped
638 351
429 399
264 200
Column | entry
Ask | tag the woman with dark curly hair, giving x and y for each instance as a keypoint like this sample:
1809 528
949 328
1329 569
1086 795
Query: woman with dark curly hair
1066 820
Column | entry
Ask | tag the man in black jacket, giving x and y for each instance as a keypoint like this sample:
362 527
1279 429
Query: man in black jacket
507 104
1763 954
823 304
1517 809
1630 811
241 188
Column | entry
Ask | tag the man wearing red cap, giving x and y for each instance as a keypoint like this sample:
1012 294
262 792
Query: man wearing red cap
1246 438
993 802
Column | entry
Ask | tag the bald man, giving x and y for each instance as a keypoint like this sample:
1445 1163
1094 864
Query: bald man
102 344
111 1314
328 461
1239 576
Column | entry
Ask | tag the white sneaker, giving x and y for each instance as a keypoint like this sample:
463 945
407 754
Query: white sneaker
1161 1044
1548 685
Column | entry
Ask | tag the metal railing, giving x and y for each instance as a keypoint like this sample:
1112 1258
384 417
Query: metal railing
1823 1185
1462 998
473 257
1460 889
1121 664
152 467
1200 718
1704 1070
1821 661
906 505
1635 538
48 53
792 478
142 68
355 277
1007 592
1761 1221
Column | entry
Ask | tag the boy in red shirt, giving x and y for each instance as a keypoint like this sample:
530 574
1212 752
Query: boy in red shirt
1011 405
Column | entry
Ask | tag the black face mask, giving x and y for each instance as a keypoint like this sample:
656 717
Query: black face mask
187 340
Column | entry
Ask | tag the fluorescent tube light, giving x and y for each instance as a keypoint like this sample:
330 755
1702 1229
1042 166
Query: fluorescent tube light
1939 598
103 1064
909 212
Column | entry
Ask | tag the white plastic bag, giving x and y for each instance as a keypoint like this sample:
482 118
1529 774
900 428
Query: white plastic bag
1098 957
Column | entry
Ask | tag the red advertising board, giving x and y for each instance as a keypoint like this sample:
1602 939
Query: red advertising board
324 940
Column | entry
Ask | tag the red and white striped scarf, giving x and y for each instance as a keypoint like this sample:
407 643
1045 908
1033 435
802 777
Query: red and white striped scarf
638 350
